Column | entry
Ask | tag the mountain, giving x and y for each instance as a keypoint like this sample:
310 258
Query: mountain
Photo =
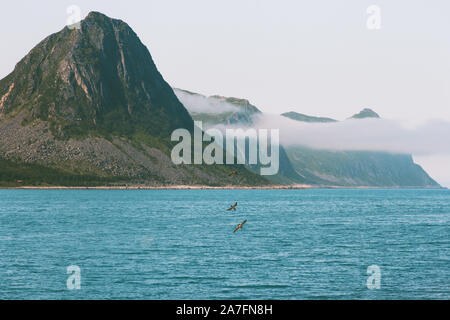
89 107
217 109
101 79
366 113
358 168
305 118
302 165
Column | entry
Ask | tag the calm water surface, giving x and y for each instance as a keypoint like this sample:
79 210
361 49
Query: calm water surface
160 244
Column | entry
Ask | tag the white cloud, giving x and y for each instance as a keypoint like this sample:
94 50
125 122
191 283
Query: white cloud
431 137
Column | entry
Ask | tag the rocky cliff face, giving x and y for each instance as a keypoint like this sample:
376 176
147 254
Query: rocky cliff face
99 78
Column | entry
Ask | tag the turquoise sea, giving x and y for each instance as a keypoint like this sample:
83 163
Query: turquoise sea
179 244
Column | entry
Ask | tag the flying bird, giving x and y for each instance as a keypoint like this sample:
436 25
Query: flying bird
240 226
233 173
233 207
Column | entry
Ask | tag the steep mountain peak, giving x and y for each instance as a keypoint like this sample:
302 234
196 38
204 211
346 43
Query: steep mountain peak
96 78
366 113
97 15
99 20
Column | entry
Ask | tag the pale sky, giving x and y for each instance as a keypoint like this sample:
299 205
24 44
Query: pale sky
316 57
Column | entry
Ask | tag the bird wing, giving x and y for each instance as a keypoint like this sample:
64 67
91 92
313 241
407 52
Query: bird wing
233 207
240 226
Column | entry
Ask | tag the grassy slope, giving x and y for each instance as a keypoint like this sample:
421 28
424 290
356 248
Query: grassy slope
14 174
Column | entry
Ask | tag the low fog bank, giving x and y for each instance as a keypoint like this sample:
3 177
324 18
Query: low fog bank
196 103
429 138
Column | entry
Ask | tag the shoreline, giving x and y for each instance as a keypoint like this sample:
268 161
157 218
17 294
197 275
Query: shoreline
176 187
202 187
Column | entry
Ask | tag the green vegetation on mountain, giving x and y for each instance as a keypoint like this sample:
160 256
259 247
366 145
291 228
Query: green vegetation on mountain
13 174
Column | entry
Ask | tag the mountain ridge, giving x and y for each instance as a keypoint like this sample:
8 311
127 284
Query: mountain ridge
306 118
